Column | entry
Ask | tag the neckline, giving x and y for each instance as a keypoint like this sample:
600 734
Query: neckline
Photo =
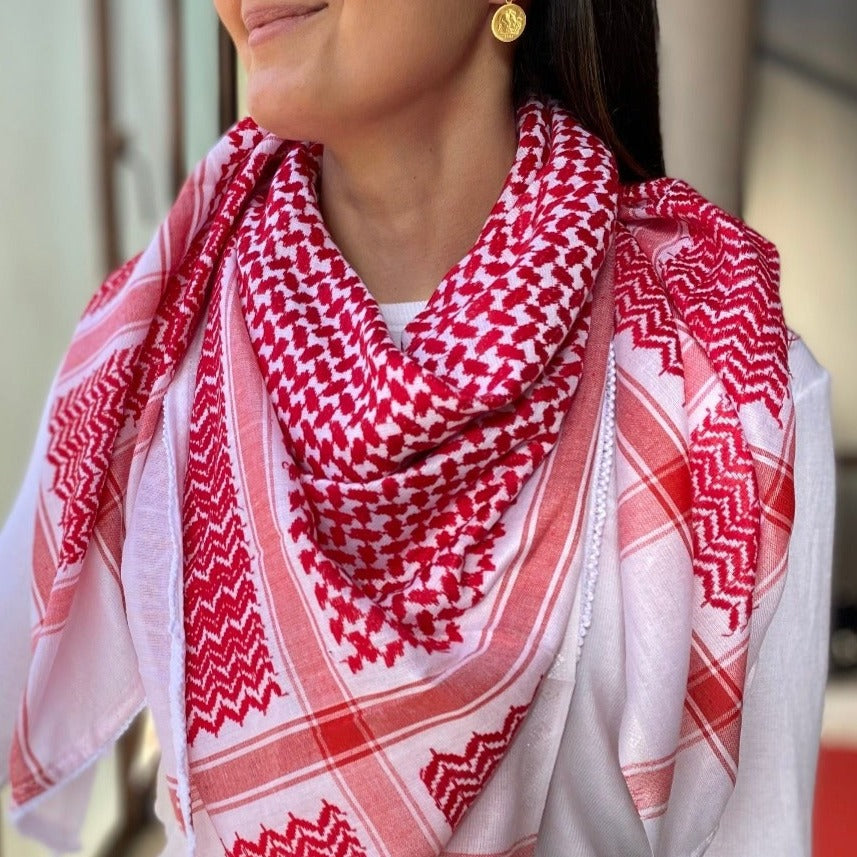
534 120
397 315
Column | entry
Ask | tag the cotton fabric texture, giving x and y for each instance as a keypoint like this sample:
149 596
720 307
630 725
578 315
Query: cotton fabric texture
339 571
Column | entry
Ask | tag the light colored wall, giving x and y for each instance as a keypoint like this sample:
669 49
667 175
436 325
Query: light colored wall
705 58
50 247
48 237
142 110
200 25
820 33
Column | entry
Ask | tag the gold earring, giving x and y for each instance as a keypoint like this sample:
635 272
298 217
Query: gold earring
508 22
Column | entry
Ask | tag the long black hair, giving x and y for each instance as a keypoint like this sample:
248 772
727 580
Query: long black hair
599 59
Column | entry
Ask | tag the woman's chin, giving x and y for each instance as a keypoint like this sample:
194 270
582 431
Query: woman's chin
281 109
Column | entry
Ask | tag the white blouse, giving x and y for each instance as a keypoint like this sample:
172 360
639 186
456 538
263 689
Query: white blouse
589 812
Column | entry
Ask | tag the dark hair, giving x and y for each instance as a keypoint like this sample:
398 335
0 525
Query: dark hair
599 59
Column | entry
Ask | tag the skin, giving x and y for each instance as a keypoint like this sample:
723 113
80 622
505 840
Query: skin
413 103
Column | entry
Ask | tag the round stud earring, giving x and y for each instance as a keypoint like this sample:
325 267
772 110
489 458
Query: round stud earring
508 22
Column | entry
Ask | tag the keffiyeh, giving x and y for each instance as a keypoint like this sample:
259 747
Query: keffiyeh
372 554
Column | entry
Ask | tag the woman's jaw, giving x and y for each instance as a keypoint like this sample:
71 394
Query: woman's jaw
322 69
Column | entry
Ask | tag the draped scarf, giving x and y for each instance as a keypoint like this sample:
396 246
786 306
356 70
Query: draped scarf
379 551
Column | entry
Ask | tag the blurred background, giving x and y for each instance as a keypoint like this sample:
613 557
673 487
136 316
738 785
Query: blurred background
106 104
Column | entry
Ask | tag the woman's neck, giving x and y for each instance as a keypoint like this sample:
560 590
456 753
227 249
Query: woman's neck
407 198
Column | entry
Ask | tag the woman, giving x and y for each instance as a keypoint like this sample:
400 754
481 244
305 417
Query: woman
509 579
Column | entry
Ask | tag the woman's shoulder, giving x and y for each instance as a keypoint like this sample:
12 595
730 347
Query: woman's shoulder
702 252
809 379
702 224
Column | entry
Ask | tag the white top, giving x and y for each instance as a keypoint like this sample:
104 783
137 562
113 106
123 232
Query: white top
589 812
398 315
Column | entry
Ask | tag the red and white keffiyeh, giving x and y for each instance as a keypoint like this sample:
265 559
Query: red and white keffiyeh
372 554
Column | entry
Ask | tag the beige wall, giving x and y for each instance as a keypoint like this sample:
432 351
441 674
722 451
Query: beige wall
705 57
48 236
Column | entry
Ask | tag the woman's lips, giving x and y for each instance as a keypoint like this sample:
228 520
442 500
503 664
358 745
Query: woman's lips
265 24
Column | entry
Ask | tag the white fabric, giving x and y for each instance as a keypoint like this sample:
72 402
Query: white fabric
397 315
589 811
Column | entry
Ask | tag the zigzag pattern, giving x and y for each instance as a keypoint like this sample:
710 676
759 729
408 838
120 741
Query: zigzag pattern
330 836
725 514
643 306
228 667
82 431
455 781
86 421
168 337
723 279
